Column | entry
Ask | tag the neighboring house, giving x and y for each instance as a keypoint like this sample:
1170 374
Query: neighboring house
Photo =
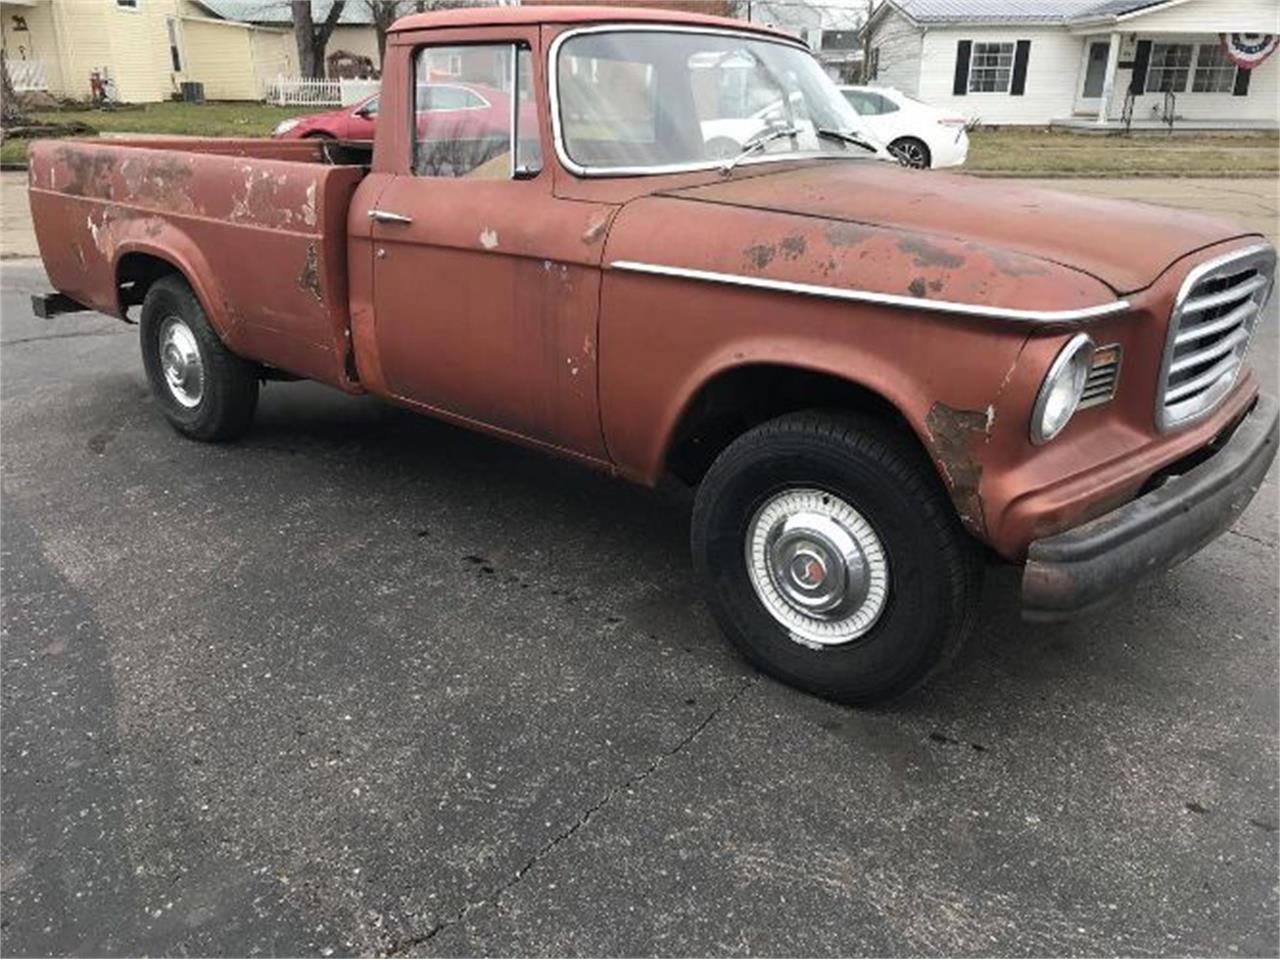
354 33
829 27
146 49
1081 63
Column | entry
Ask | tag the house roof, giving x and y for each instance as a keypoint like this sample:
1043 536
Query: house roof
278 12
1015 11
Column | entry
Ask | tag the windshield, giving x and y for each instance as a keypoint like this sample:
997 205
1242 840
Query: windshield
647 101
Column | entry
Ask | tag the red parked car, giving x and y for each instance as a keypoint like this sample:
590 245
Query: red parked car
449 110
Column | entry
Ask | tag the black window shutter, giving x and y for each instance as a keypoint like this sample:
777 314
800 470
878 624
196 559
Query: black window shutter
1241 89
1020 56
963 49
1141 61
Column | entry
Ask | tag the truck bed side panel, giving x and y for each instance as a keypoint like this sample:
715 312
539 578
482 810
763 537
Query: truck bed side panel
262 241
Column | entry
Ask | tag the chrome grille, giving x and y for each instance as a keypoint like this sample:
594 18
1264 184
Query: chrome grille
1213 319
1104 376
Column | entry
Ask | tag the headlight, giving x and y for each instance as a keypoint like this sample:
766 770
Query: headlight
284 126
1063 385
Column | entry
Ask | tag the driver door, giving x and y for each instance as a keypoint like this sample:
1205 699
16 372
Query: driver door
485 295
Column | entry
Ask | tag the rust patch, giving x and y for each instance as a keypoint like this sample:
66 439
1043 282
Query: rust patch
90 172
847 234
595 228
918 287
954 436
309 278
163 182
928 254
936 286
761 254
794 246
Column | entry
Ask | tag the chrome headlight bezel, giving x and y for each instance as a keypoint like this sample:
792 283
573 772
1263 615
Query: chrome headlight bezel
1069 370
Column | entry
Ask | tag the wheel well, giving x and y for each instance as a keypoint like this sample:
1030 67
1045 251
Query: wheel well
737 400
135 274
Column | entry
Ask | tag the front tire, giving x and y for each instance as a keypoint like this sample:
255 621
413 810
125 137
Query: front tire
206 391
832 557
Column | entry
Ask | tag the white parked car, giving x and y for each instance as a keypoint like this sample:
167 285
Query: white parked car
918 134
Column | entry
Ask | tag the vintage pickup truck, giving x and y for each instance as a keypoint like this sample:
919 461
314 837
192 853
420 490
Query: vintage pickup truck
678 255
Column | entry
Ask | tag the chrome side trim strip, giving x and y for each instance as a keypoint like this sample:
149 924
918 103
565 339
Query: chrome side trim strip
882 299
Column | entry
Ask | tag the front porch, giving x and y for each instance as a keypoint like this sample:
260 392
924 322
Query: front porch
1169 77
1181 125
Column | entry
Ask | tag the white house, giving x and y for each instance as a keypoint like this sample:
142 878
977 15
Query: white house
1085 63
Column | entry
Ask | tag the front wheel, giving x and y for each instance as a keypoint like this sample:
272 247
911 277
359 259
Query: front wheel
832 557
205 391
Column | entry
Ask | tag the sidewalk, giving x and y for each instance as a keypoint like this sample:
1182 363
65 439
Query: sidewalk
1253 203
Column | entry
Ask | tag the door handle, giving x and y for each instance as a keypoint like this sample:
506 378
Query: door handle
386 216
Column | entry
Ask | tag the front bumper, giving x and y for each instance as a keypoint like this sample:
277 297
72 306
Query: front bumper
1073 572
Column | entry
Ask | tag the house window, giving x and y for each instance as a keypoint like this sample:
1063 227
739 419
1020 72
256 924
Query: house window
175 54
1170 67
1215 73
991 68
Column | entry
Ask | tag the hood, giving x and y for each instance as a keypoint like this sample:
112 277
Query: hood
1123 244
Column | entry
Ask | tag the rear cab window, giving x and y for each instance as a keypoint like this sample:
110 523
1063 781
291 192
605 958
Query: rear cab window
475 112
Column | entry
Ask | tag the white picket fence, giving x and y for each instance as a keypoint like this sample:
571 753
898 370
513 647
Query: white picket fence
26 75
309 92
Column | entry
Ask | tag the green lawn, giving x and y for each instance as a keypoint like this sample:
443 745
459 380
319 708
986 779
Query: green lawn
201 120
1040 153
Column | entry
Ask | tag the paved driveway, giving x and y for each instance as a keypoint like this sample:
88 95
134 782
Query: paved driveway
366 683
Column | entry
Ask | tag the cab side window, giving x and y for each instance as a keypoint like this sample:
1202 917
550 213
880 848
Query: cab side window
475 113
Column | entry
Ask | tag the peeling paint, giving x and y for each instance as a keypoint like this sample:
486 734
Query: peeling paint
489 238
918 287
309 278
954 436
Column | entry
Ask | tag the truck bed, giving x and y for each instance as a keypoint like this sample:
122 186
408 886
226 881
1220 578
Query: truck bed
257 226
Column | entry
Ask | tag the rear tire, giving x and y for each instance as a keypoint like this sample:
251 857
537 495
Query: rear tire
867 476
912 152
206 391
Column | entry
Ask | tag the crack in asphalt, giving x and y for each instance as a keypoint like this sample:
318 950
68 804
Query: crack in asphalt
62 336
402 947
1249 536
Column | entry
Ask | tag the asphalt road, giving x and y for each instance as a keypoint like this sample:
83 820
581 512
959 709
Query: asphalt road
366 683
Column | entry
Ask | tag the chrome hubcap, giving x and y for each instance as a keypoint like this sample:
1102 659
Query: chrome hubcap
181 363
817 566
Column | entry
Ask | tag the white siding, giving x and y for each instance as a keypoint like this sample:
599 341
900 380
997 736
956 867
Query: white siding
1261 104
899 44
1053 73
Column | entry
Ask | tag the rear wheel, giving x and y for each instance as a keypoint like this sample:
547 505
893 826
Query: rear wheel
912 152
832 557
205 391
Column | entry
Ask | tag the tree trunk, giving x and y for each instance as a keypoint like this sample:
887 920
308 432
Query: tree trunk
312 38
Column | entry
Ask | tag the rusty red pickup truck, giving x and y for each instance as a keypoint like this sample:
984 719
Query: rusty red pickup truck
678 254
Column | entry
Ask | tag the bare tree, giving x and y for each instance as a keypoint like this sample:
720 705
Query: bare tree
10 107
868 64
384 13
312 37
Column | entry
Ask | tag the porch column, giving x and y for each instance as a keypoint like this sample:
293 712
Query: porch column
1109 79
